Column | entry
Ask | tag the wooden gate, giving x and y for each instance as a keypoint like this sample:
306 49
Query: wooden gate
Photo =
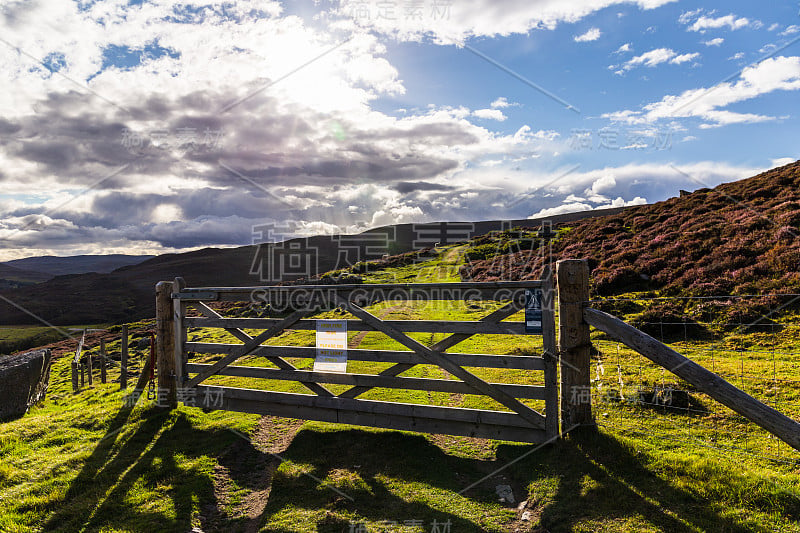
515 419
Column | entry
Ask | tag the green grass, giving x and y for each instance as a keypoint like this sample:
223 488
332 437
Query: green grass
85 462
18 338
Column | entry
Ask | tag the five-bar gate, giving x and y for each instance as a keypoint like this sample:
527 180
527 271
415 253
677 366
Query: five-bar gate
517 420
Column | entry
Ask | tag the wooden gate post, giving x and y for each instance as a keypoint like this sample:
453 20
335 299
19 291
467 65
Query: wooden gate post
123 359
550 354
165 346
572 278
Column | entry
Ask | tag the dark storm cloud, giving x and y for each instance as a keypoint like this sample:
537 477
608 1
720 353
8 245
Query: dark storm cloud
405 187
268 160
201 232
8 128
54 154
274 144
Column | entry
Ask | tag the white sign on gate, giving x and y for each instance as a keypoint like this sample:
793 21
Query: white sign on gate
331 346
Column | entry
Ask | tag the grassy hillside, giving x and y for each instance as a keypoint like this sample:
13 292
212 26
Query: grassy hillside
12 277
86 462
127 293
19 338
76 264
738 238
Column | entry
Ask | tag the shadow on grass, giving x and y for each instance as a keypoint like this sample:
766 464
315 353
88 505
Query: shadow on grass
125 481
587 478
600 480
363 474
159 478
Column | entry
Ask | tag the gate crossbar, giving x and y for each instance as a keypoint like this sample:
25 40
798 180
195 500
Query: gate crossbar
248 347
441 361
281 363
444 344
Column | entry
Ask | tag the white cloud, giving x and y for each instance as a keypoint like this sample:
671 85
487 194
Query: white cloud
477 18
573 207
737 56
324 157
591 35
684 58
656 57
525 133
625 48
603 184
705 22
632 184
791 30
714 42
781 161
489 114
398 214
502 102
773 74
621 202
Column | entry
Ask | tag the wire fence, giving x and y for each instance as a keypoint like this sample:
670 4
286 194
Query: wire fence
752 341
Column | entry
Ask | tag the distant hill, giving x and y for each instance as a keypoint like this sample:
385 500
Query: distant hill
128 292
12 277
738 238
76 264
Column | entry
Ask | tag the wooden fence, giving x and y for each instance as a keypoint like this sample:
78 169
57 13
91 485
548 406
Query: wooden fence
83 364
777 423
182 378
566 375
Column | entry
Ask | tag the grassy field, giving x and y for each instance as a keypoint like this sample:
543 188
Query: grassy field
89 462
18 338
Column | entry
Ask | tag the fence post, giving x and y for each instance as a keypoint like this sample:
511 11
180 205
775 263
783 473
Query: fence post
572 278
165 345
102 361
123 359
83 374
75 387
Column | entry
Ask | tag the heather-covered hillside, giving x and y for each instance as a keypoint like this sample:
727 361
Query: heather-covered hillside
738 238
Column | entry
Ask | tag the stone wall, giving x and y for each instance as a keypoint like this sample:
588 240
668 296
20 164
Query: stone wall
23 382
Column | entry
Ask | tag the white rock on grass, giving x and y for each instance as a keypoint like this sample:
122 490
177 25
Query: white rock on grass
505 493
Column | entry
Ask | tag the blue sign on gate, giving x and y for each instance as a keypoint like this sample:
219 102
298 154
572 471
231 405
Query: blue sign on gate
533 311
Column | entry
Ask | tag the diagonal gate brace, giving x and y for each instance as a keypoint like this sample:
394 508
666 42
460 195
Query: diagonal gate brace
444 344
277 361
248 347
537 420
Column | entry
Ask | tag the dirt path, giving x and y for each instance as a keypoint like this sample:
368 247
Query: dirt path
358 337
249 464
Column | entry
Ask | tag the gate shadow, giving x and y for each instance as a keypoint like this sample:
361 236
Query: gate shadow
600 479
589 477
109 491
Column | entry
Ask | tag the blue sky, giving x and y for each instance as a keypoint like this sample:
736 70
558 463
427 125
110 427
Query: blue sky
156 126
579 73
